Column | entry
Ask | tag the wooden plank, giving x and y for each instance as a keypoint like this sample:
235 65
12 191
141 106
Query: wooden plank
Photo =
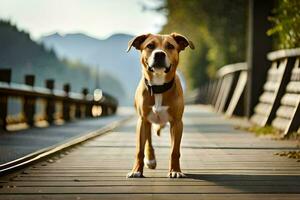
280 77
213 89
280 123
262 108
286 66
214 177
293 87
285 112
153 196
267 97
221 92
294 123
290 99
280 54
140 189
236 100
228 91
258 119
216 92
289 108
270 86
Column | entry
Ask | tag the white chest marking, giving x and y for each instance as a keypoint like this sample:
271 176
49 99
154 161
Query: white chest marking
158 103
159 113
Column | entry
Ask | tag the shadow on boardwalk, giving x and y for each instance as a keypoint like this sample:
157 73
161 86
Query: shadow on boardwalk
253 183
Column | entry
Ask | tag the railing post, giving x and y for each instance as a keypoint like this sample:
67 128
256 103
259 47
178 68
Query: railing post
104 110
114 110
78 106
50 103
5 76
78 110
66 102
259 44
29 102
88 105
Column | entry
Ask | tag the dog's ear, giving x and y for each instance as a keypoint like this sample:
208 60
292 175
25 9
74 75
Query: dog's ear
182 41
137 41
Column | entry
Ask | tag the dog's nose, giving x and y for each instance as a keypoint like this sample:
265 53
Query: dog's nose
159 56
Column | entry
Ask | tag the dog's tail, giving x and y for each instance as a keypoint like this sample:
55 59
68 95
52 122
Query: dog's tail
157 128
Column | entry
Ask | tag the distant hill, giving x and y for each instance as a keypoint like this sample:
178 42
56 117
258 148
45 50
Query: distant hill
24 56
109 54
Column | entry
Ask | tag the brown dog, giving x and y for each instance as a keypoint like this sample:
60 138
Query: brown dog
158 98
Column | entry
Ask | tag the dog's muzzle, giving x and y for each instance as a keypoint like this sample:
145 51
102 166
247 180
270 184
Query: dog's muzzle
151 68
158 62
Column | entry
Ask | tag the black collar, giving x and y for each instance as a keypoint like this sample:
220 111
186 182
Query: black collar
158 89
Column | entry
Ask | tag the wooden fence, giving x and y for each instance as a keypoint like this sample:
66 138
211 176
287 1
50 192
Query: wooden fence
226 93
279 104
73 105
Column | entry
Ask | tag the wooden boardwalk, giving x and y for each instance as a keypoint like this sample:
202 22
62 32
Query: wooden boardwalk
219 161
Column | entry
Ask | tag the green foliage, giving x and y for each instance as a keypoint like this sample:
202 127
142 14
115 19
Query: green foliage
217 28
286 24
266 130
260 131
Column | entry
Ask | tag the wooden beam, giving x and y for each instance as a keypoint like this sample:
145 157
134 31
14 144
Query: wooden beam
29 102
5 76
280 91
259 44
50 102
66 102
293 125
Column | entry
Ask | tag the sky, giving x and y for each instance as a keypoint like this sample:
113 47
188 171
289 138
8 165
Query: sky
97 18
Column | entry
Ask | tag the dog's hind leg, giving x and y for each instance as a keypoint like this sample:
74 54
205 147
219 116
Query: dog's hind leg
149 159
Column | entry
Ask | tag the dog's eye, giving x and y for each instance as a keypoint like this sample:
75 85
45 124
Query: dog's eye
170 46
151 46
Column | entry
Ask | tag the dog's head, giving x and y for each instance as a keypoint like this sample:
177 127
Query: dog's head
160 53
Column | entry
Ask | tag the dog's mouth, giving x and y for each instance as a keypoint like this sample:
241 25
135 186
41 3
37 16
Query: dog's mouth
158 69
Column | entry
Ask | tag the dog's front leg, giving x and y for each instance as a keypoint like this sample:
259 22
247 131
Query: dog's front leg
143 129
176 134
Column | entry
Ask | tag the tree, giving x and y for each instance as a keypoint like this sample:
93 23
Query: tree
286 24
218 29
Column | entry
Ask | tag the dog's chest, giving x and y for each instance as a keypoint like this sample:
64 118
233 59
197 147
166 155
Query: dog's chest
159 113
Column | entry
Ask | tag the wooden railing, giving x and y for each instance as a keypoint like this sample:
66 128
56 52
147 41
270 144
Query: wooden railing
279 104
73 105
226 92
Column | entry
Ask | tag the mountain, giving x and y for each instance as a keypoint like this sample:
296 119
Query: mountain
108 54
24 56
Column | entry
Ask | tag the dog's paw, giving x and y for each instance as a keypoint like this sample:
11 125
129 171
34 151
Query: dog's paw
176 175
135 175
151 164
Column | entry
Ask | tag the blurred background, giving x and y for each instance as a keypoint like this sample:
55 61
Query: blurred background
83 42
